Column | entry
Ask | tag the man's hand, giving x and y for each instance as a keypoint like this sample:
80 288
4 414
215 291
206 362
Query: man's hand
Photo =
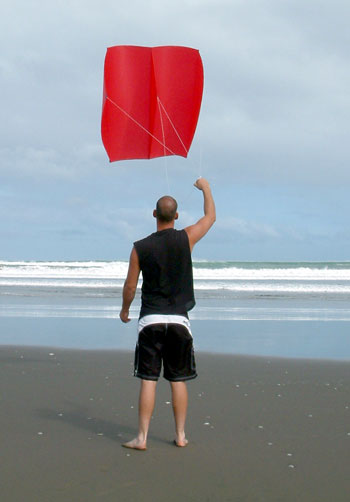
124 315
201 184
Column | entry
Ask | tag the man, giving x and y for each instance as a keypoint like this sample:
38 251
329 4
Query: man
164 258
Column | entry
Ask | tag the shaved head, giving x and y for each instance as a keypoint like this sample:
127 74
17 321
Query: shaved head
166 208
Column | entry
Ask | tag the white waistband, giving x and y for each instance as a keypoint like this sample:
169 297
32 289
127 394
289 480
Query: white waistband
164 319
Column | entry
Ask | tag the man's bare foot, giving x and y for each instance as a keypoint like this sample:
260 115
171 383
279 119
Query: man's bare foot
135 444
181 443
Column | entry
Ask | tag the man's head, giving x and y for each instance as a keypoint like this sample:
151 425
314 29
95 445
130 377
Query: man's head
166 209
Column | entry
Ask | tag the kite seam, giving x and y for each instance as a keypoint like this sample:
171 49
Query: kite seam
161 124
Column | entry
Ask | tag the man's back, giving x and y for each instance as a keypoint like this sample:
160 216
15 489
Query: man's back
166 265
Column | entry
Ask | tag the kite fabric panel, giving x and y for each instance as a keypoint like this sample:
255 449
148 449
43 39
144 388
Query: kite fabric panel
151 101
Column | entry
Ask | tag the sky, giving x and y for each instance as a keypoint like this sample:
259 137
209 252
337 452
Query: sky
272 137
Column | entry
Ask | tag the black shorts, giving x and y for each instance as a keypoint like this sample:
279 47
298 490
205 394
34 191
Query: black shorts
168 342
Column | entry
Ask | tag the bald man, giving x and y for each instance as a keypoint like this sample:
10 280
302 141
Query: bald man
164 258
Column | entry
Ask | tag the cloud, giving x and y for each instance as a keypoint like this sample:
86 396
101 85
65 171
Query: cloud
249 229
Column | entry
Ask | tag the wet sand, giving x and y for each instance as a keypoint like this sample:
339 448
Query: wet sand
260 429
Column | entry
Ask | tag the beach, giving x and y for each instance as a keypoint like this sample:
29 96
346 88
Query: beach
260 429
269 414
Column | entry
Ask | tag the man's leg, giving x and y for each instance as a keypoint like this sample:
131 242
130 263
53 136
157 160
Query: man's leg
180 400
147 400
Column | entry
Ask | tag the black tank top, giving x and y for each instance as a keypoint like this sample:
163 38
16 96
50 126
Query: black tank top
166 265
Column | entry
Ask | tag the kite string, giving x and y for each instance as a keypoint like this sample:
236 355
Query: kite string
198 165
165 153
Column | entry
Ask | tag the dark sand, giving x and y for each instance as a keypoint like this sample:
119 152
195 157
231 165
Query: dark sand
260 430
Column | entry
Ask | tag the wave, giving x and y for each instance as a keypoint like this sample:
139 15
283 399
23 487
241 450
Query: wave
64 270
262 274
202 270
337 265
275 288
57 283
215 286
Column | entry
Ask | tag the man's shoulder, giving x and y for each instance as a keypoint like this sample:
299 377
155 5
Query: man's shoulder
168 235
160 233
144 239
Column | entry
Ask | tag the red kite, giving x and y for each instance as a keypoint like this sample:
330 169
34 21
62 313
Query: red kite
151 101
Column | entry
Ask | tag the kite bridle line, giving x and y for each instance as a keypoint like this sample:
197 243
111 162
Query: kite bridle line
162 143
160 104
165 155
146 130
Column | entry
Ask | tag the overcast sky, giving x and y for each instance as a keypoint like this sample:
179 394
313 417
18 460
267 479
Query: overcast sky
272 138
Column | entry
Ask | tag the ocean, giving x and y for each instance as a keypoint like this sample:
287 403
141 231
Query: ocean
278 309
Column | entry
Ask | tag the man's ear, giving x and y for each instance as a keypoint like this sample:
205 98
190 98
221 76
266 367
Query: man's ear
176 215
154 213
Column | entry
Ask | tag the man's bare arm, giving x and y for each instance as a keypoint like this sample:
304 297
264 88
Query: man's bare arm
130 285
198 230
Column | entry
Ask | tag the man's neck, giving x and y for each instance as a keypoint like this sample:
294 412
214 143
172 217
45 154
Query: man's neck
161 225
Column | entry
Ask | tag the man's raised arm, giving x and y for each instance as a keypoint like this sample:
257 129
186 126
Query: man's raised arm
198 230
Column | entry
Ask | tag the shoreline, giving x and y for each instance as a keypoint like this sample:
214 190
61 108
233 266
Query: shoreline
286 339
260 428
200 353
